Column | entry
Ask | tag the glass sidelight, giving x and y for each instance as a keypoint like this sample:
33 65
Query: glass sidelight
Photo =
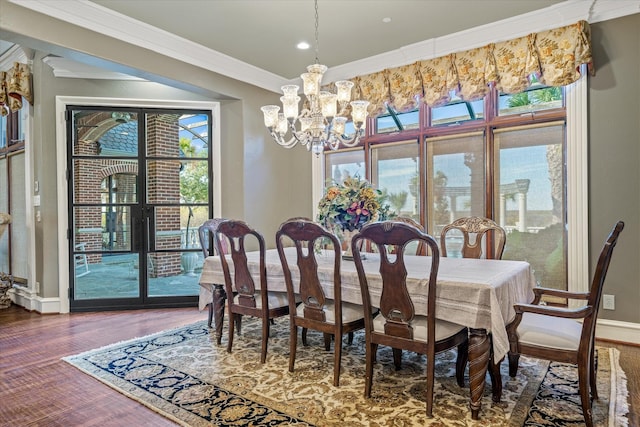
139 188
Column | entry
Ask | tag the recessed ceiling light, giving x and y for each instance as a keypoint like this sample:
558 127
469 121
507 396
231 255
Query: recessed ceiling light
303 45
386 20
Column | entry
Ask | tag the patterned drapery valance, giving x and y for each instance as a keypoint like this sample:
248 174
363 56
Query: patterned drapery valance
553 56
14 85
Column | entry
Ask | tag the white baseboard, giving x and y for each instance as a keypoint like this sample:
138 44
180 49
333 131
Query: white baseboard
32 302
615 330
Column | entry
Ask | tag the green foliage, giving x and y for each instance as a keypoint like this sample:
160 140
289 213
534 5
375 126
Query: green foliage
398 200
543 250
538 96
441 202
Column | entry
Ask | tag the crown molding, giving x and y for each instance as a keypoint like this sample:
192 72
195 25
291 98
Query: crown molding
96 18
110 23
14 54
63 67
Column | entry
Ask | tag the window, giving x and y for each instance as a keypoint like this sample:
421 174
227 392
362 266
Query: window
344 163
395 171
481 158
12 129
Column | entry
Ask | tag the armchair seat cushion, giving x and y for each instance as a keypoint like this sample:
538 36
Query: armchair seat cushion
548 331
444 329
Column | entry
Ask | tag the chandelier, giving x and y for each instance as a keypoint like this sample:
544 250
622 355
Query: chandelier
320 124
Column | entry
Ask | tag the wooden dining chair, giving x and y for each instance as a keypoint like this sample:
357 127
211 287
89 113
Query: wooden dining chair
248 299
397 325
562 334
475 230
332 317
420 246
206 233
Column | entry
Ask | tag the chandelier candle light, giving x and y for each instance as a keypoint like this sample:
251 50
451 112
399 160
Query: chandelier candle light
320 123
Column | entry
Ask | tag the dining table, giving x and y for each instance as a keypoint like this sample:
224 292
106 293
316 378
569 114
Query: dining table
476 293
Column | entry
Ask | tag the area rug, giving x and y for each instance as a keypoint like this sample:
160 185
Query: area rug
183 375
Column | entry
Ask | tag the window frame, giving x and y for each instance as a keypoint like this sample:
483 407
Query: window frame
577 192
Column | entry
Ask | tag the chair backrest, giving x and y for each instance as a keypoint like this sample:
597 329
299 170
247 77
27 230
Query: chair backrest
207 232
306 235
395 303
234 235
597 284
475 231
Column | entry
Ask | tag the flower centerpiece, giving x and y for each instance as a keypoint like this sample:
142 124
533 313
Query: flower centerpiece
347 206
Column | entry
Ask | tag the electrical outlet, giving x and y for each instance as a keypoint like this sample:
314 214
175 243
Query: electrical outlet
609 302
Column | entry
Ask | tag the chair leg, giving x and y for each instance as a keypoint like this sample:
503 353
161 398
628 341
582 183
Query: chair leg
585 399
239 324
337 357
232 317
593 372
327 341
304 337
461 362
397 358
210 321
513 364
368 376
265 339
350 338
430 381
375 351
496 379
293 343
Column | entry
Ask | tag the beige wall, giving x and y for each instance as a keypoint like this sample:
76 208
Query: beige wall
265 184
614 158
261 182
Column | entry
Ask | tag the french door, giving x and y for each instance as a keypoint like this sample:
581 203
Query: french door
139 186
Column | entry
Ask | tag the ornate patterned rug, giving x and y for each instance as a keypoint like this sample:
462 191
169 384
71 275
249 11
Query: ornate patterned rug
185 376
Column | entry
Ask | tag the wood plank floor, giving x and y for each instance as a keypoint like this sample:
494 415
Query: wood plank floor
38 389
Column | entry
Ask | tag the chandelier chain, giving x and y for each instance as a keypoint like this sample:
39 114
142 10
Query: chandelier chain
317 42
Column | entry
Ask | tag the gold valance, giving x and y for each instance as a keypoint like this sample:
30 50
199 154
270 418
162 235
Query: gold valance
553 56
14 85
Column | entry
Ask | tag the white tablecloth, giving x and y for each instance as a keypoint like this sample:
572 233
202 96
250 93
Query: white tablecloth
477 293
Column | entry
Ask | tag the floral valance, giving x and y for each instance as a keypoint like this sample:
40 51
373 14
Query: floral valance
554 57
14 85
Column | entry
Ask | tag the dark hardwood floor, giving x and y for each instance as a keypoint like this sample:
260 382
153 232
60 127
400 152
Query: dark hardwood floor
38 389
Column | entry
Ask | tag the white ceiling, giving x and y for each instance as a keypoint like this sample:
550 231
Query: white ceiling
264 33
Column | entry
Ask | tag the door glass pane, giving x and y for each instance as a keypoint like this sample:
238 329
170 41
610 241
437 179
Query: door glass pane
395 172
98 181
101 276
105 133
103 228
163 181
194 135
194 181
455 179
339 165
174 273
531 181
